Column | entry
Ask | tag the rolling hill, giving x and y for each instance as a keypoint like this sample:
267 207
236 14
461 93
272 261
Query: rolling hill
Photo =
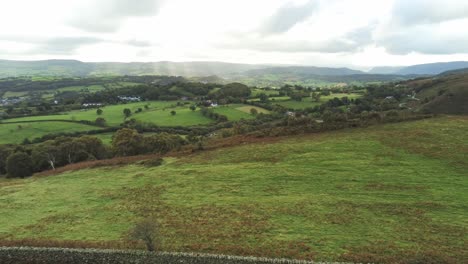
354 195
422 69
77 68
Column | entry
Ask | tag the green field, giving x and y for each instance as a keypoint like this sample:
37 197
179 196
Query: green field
8 94
236 112
16 133
272 92
158 112
309 102
390 193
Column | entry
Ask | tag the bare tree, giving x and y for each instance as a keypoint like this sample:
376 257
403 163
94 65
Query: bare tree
147 230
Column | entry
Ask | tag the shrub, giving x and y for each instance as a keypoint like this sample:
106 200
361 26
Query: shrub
155 162
19 164
147 230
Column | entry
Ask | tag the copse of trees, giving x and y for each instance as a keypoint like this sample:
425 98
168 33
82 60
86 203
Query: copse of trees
19 164
208 112
128 142
49 155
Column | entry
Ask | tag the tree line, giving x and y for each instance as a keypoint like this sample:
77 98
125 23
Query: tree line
24 160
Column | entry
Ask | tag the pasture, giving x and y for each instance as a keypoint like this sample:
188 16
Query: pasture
16 133
236 112
308 101
389 193
157 112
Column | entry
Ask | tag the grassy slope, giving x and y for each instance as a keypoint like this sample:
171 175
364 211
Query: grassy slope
446 94
13 134
388 190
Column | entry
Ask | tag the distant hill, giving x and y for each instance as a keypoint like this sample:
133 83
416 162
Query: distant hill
433 68
314 76
384 70
458 71
77 68
446 94
303 70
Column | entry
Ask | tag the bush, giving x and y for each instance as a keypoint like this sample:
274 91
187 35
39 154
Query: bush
19 164
147 230
155 162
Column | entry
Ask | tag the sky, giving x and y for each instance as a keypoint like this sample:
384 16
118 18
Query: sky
351 33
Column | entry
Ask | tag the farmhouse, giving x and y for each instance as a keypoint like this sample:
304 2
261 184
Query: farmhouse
129 98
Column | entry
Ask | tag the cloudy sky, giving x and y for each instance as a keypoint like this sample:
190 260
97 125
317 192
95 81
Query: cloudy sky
358 33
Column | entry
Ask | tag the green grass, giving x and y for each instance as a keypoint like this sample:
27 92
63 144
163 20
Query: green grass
273 92
309 102
8 94
379 194
16 133
157 113
236 112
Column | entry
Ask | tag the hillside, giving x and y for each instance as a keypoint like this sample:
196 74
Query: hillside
433 68
446 94
354 195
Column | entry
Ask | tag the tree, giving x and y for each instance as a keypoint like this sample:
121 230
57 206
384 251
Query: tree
127 142
19 164
5 152
147 230
253 111
193 107
316 96
99 111
73 151
127 112
173 112
93 146
100 121
263 98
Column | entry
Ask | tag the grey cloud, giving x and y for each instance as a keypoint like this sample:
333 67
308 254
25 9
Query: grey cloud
108 15
64 45
287 16
349 42
58 45
138 43
281 45
415 26
412 12
424 40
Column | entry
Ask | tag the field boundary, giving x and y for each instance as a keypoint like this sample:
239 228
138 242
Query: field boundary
70 255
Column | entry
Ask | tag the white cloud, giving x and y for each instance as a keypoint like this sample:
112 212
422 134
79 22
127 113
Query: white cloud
313 32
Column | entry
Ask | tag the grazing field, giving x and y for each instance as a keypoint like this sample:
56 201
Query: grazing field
308 101
158 112
390 193
16 133
272 92
235 112
8 94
